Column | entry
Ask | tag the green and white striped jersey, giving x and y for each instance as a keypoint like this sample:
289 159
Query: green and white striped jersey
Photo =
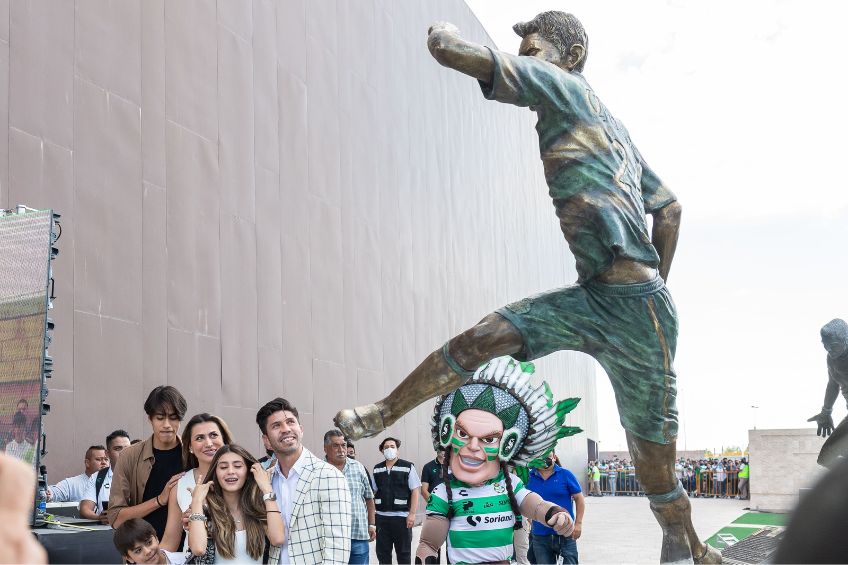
482 524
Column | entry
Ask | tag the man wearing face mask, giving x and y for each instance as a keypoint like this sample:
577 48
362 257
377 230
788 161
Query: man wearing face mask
834 336
396 485
559 486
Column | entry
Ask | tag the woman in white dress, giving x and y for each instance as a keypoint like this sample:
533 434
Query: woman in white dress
236 509
203 436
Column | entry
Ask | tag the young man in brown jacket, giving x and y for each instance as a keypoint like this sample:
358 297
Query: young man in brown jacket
147 471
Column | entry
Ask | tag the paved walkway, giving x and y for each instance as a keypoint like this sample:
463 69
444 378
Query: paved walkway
622 529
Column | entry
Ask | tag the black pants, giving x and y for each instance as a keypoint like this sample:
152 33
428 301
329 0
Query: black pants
392 531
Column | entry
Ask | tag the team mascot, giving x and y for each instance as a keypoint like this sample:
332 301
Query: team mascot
497 417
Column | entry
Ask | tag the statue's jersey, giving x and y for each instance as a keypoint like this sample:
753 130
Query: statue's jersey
482 525
599 183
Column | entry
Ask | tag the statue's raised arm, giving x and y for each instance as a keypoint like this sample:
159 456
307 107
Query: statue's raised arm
450 50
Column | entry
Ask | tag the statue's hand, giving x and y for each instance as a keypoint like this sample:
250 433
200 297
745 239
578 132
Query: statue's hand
825 423
443 26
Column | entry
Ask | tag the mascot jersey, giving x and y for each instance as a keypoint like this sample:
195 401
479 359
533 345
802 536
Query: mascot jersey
482 524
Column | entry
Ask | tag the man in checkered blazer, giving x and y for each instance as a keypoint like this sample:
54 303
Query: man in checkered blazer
313 495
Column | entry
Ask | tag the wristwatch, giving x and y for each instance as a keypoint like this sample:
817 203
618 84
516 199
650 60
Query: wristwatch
269 496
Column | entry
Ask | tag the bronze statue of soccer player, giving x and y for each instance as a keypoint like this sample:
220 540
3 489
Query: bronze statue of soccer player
620 311
834 337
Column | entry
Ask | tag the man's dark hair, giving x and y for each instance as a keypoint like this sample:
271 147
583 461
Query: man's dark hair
440 449
114 435
559 28
163 396
93 448
19 420
271 407
130 533
382 443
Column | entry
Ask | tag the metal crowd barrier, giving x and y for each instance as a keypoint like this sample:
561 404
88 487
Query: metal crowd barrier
712 484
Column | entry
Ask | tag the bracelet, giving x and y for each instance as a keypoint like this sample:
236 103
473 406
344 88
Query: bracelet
269 511
159 503
372 526
196 517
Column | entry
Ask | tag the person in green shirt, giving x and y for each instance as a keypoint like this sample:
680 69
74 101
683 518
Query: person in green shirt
620 311
744 473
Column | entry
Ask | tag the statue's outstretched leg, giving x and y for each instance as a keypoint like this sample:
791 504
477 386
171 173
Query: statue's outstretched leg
441 372
654 464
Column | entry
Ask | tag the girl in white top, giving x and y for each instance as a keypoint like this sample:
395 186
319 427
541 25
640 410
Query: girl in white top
203 435
241 510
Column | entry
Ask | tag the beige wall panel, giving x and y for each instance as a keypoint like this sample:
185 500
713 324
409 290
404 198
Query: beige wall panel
269 260
153 90
154 286
4 20
191 66
194 367
363 309
239 347
236 17
242 424
4 112
107 175
194 287
72 451
360 190
107 44
41 74
235 142
329 379
41 176
271 373
265 93
326 284
351 19
322 83
291 40
297 324
294 175
108 367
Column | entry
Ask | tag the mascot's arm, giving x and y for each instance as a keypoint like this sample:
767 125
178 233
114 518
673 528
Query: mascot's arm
433 535
536 508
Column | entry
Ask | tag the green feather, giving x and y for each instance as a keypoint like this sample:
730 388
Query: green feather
565 406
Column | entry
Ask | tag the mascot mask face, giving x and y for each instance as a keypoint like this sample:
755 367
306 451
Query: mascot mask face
474 446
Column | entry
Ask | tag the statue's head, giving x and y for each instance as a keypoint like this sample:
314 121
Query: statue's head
497 417
834 337
556 37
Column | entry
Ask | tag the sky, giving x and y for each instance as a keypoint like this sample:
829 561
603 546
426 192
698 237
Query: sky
740 108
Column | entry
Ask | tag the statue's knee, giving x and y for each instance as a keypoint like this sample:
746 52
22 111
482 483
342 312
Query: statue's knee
491 337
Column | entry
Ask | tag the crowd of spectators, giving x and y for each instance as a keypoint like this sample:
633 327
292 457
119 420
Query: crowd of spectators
711 477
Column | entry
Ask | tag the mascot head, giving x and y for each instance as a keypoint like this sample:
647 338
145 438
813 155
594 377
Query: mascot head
498 416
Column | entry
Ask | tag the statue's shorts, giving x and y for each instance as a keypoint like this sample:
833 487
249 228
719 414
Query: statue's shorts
630 329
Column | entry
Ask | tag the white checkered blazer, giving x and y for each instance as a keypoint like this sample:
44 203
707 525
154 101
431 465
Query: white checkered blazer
319 530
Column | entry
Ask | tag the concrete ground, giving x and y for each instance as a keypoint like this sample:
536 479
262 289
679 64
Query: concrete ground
622 529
